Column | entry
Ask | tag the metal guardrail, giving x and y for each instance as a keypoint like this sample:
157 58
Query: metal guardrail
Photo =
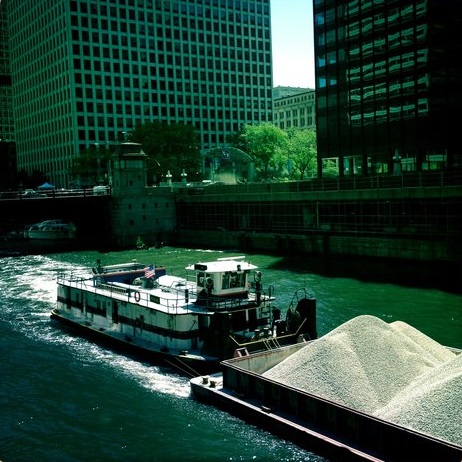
406 180
54 193
431 211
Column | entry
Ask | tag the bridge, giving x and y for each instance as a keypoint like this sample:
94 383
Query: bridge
90 212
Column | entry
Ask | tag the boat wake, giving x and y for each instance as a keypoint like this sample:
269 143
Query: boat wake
28 287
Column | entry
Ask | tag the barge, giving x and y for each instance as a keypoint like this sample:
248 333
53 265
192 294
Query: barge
246 387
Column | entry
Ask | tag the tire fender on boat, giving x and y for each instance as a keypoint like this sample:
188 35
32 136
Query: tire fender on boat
137 296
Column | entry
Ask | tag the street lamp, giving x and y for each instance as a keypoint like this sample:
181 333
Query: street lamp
98 163
169 178
184 177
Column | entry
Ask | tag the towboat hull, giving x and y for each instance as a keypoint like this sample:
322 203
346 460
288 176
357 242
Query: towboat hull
185 363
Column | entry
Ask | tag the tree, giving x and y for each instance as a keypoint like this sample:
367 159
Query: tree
301 154
8 167
91 166
30 181
264 142
169 147
329 169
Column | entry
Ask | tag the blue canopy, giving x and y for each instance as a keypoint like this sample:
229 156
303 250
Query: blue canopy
46 186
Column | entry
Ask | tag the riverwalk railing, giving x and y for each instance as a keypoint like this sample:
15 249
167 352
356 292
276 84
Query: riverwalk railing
439 179
407 205
56 193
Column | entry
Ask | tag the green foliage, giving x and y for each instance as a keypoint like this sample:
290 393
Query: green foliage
169 147
8 176
279 154
301 154
30 181
329 169
264 143
91 166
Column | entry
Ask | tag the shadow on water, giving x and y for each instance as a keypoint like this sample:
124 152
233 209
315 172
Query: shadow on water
21 247
444 276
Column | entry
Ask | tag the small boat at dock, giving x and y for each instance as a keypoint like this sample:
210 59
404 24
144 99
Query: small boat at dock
52 230
218 310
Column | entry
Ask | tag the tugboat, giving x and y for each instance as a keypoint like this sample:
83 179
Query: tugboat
218 311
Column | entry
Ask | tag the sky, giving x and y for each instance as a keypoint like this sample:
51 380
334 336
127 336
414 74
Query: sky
292 37
292 42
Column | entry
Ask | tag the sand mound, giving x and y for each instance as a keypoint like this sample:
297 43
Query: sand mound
392 371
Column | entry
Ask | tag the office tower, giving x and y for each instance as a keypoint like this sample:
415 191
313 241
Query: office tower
388 85
7 146
6 93
86 71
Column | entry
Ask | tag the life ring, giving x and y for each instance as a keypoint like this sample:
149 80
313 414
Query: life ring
137 296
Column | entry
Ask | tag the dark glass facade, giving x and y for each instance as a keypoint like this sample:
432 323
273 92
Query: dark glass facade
6 89
388 85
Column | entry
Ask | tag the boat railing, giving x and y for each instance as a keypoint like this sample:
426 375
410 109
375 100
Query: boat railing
75 277
209 302
220 304
178 296
114 289
94 284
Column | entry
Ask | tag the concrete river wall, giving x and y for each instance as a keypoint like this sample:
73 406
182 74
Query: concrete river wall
414 217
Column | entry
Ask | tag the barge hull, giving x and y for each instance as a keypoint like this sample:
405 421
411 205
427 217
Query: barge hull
280 426
314 423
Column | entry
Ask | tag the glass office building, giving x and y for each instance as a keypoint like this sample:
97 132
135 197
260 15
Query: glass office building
86 71
388 85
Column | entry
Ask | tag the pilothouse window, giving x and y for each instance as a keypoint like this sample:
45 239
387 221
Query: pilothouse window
233 279
204 280
200 279
225 281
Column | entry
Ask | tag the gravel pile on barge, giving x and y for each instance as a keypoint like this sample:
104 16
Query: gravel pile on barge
391 371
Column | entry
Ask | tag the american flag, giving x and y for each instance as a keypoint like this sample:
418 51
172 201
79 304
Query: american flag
149 272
